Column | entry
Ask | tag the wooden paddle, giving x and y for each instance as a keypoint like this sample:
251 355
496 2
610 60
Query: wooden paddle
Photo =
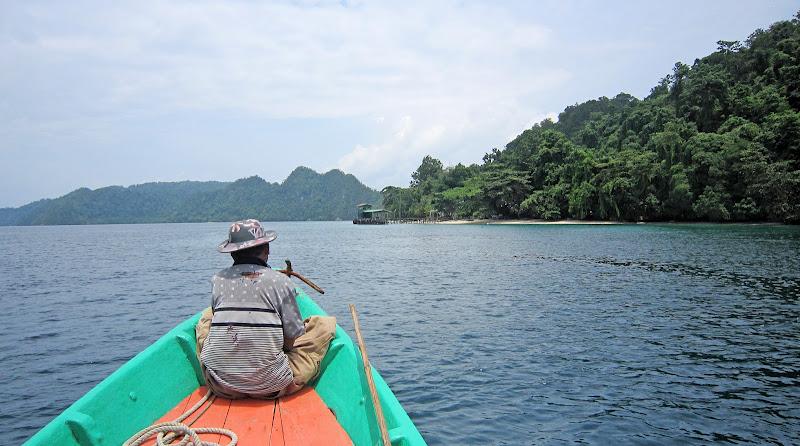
376 402
290 272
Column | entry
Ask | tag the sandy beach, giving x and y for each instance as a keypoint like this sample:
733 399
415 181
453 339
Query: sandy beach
526 222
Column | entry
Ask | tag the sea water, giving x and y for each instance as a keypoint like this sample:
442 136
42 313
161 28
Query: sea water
487 334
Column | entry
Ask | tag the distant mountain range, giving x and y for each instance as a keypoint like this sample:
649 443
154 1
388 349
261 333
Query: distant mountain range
304 195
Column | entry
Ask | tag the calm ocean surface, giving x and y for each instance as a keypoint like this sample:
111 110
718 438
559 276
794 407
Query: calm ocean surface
629 334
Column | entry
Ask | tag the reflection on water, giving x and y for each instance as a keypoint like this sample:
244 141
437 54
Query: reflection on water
782 286
487 334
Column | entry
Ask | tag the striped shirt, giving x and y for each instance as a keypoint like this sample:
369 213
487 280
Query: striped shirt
254 310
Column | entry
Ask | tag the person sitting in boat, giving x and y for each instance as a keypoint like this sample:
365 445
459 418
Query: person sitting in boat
252 342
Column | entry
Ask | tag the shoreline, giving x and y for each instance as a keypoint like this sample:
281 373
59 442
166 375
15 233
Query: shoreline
524 221
533 221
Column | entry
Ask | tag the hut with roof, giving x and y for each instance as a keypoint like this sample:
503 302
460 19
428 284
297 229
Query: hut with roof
366 215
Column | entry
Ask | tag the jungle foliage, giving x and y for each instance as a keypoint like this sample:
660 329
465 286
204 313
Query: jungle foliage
715 141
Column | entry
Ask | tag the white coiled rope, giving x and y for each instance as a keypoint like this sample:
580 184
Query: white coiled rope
174 429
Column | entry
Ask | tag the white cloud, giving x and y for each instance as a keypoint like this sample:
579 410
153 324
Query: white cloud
285 60
438 76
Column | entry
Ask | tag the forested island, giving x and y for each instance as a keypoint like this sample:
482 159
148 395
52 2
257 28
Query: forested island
715 141
304 195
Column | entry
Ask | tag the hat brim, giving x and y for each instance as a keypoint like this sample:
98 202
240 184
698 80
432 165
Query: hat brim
226 246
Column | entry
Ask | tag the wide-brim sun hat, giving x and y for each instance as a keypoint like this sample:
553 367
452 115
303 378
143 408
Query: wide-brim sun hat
245 234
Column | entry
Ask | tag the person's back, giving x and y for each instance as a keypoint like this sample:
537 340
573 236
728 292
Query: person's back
254 311
252 342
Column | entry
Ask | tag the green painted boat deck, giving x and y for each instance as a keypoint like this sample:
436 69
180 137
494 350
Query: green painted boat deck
167 372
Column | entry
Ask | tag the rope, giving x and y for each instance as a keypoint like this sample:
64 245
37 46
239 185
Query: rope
174 429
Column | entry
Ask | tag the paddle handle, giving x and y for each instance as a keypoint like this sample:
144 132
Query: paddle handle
306 281
290 272
367 370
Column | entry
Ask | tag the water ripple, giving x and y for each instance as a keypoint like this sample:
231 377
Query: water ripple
630 334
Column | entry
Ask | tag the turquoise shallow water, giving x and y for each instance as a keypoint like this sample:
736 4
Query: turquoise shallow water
629 334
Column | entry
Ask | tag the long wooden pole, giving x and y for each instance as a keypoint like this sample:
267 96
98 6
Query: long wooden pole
367 370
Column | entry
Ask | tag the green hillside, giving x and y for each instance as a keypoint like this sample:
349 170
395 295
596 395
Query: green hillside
717 140
304 195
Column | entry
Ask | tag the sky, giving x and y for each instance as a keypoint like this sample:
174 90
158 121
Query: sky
94 94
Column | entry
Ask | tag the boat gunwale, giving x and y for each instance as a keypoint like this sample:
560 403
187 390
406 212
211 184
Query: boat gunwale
78 424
